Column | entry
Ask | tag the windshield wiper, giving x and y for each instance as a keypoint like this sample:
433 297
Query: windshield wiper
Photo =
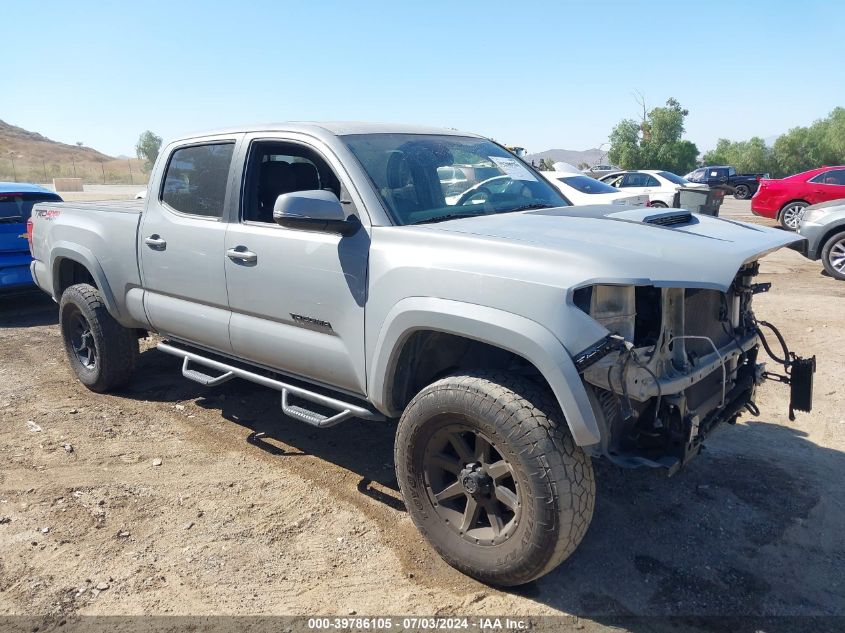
443 218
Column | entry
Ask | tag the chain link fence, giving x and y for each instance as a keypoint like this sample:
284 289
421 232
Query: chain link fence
128 171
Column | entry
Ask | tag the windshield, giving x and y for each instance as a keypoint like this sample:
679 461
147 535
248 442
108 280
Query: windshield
673 178
17 207
585 184
429 178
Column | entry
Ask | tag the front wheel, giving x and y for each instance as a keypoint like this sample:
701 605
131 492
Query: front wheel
102 353
492 478
833 256
790 215
741 192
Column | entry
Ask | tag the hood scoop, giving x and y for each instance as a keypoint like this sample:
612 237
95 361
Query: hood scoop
669 219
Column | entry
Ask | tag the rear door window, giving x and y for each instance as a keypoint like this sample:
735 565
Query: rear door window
17 206
639 180
196 179
832 177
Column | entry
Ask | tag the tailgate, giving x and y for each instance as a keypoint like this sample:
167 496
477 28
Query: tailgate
12 239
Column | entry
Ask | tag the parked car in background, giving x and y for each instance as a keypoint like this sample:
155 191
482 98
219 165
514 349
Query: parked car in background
823 225
581 189
660 186
785 199
597 171
453 180
16 200
141 194
743 186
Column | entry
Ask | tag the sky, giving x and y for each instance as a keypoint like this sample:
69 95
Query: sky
540 75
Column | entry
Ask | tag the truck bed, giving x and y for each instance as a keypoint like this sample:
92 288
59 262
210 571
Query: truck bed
100 235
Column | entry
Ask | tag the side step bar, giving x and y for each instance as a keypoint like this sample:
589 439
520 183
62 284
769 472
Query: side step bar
345 410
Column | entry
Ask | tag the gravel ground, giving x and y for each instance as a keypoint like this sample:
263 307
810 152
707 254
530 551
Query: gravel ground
160 500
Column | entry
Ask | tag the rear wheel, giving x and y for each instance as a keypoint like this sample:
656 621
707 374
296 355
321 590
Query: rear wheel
101 352
741 192
658 205
833 256
790 215
492 478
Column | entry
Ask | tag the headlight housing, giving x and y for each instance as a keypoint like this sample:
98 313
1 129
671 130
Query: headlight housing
814 215
612 306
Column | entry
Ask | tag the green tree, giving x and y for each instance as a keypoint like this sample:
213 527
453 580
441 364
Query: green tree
547 164
147 149
654 143
751 156
803 148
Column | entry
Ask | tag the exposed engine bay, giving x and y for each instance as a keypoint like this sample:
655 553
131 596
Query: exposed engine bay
678 363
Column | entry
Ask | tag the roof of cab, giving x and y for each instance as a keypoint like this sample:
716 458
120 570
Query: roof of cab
335 128
22 187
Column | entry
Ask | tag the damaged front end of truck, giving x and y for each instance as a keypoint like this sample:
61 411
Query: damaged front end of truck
678 363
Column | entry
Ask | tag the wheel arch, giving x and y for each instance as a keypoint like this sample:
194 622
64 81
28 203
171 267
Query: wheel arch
835 230
76 264
481 332
786 204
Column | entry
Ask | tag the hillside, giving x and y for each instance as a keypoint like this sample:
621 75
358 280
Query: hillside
31 146
31 157
573 157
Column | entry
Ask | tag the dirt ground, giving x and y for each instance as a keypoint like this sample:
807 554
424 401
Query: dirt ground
162 497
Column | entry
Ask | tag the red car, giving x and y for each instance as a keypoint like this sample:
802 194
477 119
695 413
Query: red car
784 199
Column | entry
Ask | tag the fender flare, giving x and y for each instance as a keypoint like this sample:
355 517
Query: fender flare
512 332
83 256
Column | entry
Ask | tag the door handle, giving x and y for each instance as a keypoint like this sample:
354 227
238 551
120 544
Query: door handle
241 254
155 242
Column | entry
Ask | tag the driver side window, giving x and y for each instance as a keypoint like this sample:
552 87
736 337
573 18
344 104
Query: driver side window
275 168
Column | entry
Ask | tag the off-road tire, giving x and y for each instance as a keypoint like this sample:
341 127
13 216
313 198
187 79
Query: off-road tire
115 348
832 254
741 192
554 477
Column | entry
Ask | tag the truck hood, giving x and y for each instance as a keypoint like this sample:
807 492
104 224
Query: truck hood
635 245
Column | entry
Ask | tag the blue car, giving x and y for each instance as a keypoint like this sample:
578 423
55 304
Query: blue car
16 200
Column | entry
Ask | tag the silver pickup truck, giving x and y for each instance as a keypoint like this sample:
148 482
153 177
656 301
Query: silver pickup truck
515 337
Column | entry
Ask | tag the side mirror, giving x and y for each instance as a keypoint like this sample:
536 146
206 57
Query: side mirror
315 210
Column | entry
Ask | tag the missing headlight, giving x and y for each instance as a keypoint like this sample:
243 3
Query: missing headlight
612 306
